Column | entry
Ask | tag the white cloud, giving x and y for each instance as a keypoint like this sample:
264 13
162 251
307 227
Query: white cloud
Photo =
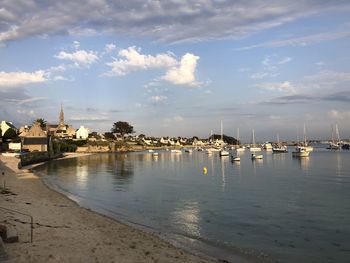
284 60
76 44
26 113
261 75
178 118
328 77
79 57
320 64
270 67
110 47
59 78
158 98
20 78
132 60
302 41
89 118
334 114
170 21
285 86
184 73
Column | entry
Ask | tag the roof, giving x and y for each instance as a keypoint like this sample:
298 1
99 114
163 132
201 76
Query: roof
35 141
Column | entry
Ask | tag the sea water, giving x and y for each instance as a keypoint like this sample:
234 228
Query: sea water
279 209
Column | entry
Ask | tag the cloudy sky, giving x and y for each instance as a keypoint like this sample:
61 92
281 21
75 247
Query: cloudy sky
178 67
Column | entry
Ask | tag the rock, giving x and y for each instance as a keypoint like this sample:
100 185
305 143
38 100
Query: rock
3 231
11 235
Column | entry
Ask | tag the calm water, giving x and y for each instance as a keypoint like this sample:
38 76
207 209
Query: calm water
289 209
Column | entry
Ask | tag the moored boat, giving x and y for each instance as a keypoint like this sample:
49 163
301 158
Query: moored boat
253 147
279 147
301 151
257 156
224 153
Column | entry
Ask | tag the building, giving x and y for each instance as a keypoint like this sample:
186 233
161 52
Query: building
34 139
61 130
82 133
7 128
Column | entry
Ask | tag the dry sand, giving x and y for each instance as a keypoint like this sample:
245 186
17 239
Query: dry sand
65 232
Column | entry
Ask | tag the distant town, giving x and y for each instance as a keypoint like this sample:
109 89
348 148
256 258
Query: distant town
54 139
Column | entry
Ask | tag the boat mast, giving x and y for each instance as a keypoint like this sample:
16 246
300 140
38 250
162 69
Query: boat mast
305 135
337 133
253 137
237 139
222 131
332 134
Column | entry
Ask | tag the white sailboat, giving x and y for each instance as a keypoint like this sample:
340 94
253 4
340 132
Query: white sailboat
335 144
253 147
301 151
238 147
279 148
223 152
307 147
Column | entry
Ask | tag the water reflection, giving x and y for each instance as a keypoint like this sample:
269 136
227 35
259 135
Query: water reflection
303 163
223 159
339 165
82 174
187 217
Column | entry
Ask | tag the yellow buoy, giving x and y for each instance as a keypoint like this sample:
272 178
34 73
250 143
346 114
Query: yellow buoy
205 170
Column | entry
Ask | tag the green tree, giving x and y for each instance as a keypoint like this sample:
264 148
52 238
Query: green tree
42 123
122 128
109 136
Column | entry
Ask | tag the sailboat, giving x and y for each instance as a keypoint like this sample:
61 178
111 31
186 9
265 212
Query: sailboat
253 147
335 144
279 148
302 149
223 152
238 147
307 147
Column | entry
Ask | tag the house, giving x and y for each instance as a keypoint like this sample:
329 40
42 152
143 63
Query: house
7 128
35 139
61 130
82 133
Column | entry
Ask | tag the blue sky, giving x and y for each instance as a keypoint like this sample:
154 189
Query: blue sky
179 67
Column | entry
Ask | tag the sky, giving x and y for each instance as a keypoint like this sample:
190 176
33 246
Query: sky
177 68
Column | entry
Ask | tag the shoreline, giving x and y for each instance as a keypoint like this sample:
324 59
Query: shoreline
64 231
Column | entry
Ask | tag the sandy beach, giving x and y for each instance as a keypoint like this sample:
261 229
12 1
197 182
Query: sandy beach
65 232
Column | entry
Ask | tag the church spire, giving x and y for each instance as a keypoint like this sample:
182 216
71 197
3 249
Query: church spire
61 117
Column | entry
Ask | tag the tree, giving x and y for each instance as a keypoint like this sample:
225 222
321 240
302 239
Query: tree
122 128
109 135
42 122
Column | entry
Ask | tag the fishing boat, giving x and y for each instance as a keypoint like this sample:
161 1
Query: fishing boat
151 151
188 151
301 151
253 147
279 147
155 154
176 151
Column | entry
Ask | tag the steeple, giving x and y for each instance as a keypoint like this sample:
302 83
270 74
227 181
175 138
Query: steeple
61 117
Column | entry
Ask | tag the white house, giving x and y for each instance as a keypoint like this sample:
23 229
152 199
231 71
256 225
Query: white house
82 133
5 126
